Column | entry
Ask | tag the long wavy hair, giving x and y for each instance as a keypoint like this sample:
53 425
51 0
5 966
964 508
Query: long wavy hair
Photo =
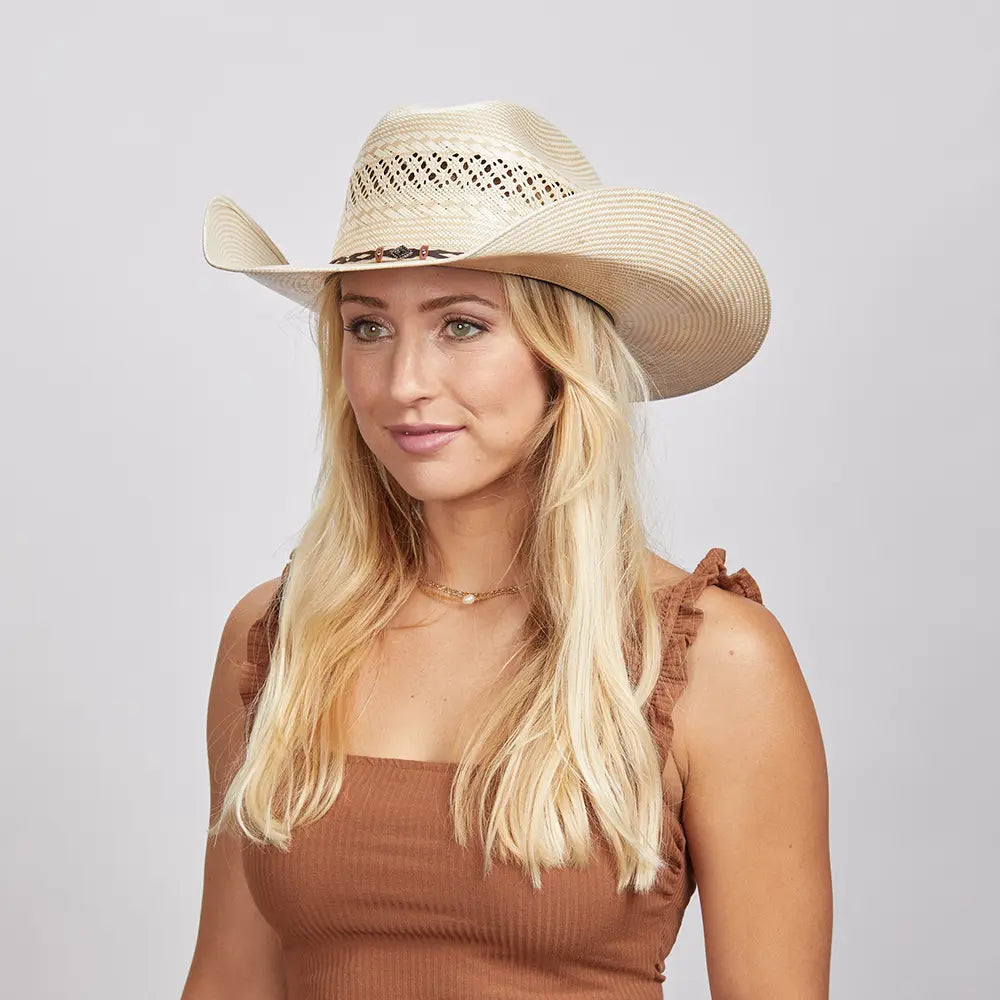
565 741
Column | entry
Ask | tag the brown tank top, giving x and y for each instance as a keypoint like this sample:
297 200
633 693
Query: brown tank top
377 899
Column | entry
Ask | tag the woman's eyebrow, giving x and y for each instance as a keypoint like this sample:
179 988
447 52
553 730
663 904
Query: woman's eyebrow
429 306
449 300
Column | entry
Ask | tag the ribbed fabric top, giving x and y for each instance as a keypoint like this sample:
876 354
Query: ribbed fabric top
377 899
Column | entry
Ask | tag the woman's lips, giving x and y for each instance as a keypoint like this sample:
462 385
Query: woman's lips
423 444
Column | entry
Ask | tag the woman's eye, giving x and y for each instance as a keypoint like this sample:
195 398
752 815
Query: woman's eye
361 327
463 329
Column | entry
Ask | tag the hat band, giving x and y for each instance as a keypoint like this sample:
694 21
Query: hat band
396 253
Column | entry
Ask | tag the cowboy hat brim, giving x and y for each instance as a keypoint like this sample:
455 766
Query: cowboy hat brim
687 295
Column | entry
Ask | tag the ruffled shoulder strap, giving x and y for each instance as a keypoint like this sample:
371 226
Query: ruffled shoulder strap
680 621
260 641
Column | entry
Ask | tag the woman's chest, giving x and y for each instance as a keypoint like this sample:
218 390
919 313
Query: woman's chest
384 861
420 692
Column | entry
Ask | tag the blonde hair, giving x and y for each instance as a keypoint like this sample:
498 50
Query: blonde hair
566 737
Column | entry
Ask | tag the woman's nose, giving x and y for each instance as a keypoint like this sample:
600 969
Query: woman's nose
414 365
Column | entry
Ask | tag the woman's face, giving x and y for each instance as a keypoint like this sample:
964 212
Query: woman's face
432 345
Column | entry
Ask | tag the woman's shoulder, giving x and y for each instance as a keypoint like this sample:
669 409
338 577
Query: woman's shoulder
710 617
742 654
240 669
252 607
245 618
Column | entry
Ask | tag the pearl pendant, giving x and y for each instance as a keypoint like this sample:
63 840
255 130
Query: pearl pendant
469 599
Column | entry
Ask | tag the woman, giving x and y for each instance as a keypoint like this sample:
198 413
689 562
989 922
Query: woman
477 740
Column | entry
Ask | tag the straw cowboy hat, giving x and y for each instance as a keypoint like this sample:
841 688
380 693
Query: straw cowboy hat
493 186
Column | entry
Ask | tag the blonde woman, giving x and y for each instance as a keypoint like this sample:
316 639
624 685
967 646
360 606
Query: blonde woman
477 740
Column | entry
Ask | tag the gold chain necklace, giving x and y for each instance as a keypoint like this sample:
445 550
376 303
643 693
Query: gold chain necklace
462 596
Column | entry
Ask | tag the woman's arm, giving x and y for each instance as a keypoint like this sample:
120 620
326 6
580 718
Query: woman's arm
755 806
237 955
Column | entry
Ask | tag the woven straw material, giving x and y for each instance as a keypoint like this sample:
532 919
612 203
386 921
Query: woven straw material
493 186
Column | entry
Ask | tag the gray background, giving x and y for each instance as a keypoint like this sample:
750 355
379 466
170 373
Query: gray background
159 417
